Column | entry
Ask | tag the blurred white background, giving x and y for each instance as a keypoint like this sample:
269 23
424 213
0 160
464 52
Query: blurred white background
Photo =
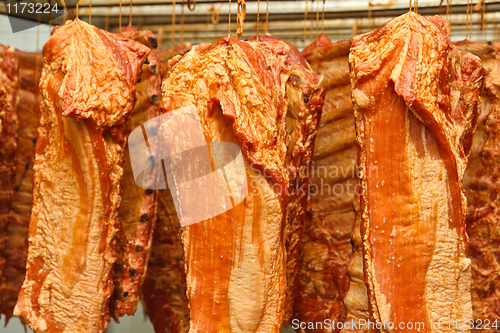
23 40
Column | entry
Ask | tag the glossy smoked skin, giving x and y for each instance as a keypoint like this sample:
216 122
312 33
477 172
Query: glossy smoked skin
8 125
137 213
415 101
78 169
16 248
235 261
326 249
481 187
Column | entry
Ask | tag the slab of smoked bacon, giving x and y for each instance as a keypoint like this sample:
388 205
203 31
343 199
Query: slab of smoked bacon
137 214
301 90
88 88
326 248
482 189
16 247
164 291
415 100
236 261
8 125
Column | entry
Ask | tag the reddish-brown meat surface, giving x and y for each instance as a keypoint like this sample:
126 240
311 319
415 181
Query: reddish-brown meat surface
16 246
8 125
164 291
166 54
301 90
137 212
481 183
356 298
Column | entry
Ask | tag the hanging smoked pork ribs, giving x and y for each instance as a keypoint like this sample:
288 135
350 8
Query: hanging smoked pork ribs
415 103
88 89
8 125
137 213
16 246
326 248
482 189
262 96
328 265
301 84
164 291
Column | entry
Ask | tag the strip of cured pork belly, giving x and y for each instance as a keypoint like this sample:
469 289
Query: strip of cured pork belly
415 102
87 88
326 249
236 261
137 214
164 291
16 247
8 124
481 187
